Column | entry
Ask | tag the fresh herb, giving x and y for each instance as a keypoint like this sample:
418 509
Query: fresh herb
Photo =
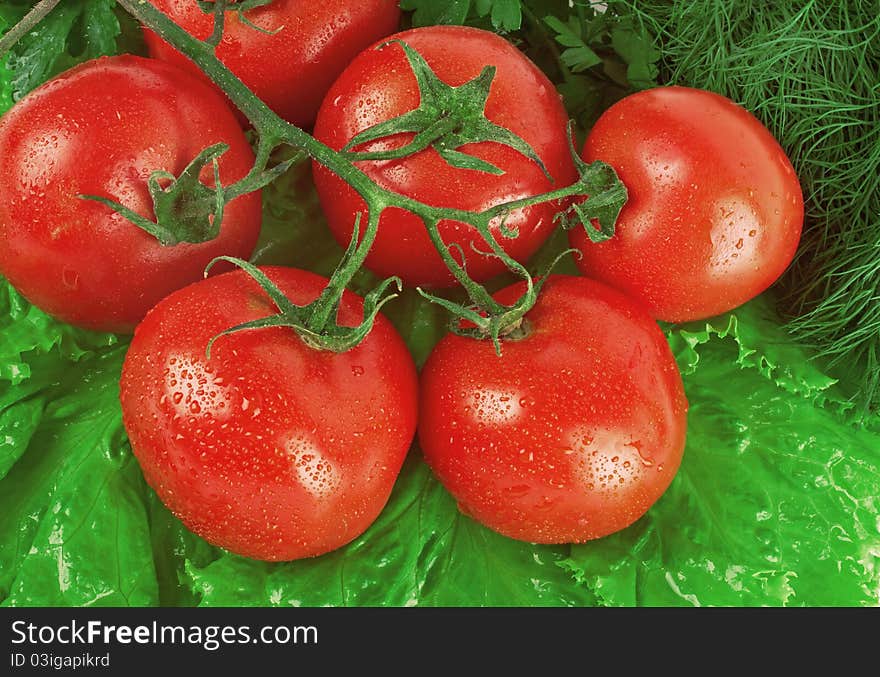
594 54
76 30
506 15
810 71
578 55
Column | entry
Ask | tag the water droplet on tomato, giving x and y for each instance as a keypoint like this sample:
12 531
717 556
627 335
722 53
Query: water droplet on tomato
518 491
70 278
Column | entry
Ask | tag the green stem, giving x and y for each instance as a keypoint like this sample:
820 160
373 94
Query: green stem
476 292
419 143
274 132
266 123
23 27
343 275
219 12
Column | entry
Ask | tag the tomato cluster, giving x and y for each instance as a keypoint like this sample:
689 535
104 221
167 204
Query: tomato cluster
265 441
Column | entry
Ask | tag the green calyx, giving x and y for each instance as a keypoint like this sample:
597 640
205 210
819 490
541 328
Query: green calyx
316 323
606 196
187 210
447 119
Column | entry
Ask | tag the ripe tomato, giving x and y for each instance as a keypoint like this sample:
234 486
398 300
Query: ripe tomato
101 129
380 85
292 62
269 448
715 209
573 432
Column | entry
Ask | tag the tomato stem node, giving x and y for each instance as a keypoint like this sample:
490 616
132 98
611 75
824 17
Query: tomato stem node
187 210
333 336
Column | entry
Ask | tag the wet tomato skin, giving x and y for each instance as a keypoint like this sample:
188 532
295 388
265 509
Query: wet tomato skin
379 85
715 208
303 47
269 448
573 433
101 129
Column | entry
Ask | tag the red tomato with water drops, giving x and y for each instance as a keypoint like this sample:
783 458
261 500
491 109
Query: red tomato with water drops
715 209
380 85
295 53
269 448
102 129
573 432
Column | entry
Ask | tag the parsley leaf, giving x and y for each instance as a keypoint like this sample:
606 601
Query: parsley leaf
638 53
506 15
75 31
577 56
431 12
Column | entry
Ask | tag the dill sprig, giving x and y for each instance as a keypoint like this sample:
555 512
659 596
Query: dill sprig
810 70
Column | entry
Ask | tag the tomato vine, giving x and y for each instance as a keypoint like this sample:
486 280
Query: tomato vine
599 193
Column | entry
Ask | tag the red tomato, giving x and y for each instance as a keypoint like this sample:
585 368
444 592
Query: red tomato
715 209
573 432
380 85
291 64
270 449
101 129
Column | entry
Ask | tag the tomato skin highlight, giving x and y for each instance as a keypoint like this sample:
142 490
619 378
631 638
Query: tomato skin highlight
293 68
715 208
101 129
573 432
269 448
379 85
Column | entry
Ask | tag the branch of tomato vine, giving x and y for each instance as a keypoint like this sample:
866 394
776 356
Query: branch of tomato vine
218 9
37 13
598 186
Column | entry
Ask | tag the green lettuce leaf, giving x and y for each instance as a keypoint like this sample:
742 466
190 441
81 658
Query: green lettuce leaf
18 422
36 352
7 20
75 31
74 529
763 345
431 12
421 551
776 503
27 333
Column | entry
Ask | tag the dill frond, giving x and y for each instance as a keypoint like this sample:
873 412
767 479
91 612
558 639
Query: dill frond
810 71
